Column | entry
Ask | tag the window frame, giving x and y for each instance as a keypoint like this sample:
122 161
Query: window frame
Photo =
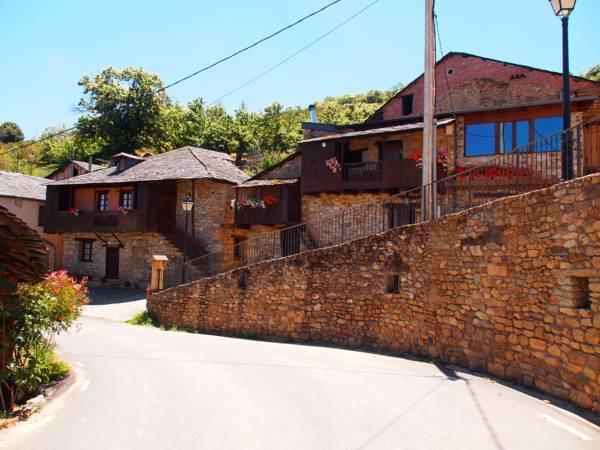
131 194
102 204
86 250
514 123
408 104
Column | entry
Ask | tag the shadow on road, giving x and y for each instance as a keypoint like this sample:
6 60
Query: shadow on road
110 296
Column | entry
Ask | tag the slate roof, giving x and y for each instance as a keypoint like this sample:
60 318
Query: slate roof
180 164
23 254
376 131
80 164
22 186
268 182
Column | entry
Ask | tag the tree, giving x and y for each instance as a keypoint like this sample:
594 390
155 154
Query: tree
11 132
58 150
124 110
593 73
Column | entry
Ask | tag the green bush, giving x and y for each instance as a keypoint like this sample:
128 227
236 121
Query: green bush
42 311
144 318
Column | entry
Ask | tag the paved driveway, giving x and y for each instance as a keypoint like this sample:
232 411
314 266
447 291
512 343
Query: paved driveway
143 388
115 304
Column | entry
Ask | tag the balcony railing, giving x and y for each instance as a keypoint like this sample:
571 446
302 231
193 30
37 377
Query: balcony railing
82 221
363 171
521 170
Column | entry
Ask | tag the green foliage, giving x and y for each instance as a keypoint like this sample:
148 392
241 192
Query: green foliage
593 73
121 113
11 132
269 159
42 311
144 318
124 110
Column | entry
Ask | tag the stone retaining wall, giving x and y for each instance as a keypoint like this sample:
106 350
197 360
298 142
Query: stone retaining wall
511 288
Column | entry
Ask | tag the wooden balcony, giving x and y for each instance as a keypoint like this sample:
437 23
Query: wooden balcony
91 221
401 174
285 211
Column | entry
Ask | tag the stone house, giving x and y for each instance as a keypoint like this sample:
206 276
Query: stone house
25 197
114 219
73 169
484 109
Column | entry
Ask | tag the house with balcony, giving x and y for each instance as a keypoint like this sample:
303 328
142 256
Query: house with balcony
114 219
485 108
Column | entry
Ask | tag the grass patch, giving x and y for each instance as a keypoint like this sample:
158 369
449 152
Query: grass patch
143 318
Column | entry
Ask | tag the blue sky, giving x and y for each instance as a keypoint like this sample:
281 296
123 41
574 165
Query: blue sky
47 46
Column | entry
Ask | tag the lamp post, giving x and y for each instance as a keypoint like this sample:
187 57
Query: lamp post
563 8
187 206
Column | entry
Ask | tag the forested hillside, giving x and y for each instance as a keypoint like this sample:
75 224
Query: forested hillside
129 111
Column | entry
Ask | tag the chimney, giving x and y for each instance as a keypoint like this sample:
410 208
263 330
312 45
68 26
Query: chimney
90 164
313 113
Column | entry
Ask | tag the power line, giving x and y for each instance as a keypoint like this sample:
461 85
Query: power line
283 61
260 41
204 69
437 31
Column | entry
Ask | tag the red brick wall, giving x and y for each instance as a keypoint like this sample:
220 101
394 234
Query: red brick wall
478 83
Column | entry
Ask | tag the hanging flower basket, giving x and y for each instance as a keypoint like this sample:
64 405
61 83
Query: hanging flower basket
442 158
123 210
251 202
333 164
74 211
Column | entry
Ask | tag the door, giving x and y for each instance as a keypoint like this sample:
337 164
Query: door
167 207
112 263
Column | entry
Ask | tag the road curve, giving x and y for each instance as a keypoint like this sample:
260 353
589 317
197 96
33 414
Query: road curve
142 388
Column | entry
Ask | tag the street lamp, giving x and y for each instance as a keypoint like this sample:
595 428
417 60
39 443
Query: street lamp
187 206
562 8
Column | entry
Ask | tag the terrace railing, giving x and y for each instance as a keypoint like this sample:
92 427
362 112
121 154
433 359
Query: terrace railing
526 168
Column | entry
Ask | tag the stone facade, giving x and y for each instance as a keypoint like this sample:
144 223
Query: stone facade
212 214
134 257
511 288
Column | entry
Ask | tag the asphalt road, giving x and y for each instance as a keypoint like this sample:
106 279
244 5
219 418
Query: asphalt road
142 388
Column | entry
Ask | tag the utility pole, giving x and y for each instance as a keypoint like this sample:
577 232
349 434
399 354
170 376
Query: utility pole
429 158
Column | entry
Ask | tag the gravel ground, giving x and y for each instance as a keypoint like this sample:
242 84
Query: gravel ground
115 304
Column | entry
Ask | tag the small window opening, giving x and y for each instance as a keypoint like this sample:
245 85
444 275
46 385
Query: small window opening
407 104
581 292
450 71
392 283
243 281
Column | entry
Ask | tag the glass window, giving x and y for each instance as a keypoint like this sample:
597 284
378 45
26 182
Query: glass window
522 135
103 201
544 131
506 137
127 200
480 139
86 251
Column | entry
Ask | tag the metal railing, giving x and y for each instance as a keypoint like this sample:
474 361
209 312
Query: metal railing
363 171
526 168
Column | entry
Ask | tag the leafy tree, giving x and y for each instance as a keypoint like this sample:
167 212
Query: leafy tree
593 73
60 149
124 110
11 132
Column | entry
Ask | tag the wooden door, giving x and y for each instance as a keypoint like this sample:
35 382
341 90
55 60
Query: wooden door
167 207
112 263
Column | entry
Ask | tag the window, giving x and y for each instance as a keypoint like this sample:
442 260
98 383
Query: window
545 133
407 104
392 283
86 250
522 135
506 137
102 201
127 200
480 139
65 198
581 292
41 215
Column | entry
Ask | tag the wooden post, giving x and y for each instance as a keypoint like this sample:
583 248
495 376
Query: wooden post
157 281
428 112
